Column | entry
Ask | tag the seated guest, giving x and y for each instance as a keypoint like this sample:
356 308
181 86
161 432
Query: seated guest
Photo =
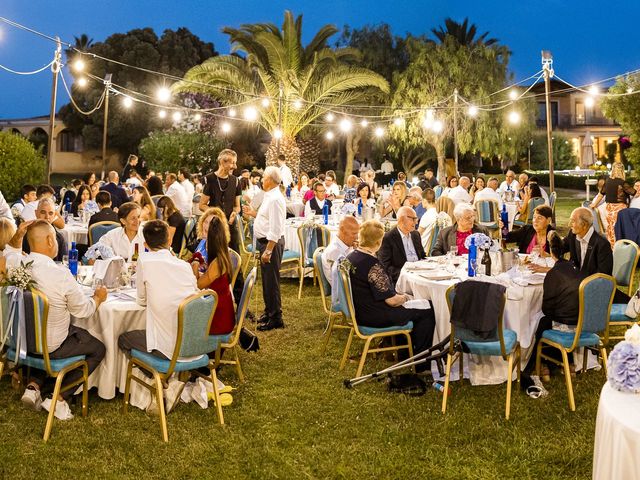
118 194
46 211
154 186
363 193
175 220
340 245
302 186
350 189
163 282
369 176
375 299
397 199
83 201
72 192
140 195
106 214
452 182
530 192
460 194
27 195
123 240
533 238
29 211
176 192
330 184
478 186
455 235
415 201
489 193
509 183
316 205
401 244
217 276
535 180
428 220
202 229
7 231
66 298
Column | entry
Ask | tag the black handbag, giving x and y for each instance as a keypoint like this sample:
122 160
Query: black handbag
249 341
407 383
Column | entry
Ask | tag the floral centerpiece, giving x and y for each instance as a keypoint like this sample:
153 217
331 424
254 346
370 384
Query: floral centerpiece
482 241
348 209
98 250
623 367
19 276
443 220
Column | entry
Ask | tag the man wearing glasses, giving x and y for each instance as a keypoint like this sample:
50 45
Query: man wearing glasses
316 204
401 244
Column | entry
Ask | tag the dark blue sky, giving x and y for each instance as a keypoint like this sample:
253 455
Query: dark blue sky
590 40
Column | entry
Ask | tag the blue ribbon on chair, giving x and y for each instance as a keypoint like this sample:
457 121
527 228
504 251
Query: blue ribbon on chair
335 281
310 244
17 325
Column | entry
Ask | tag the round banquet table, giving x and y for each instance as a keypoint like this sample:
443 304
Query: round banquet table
75 231
291 241
522 313
616 452
295 207
114 317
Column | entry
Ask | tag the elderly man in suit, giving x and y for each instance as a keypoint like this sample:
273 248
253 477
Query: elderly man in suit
401 244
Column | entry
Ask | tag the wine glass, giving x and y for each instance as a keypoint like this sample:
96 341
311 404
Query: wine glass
65 260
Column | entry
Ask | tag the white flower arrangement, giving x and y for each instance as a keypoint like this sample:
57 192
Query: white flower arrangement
443 220
19 276
348 209
482 241
99 251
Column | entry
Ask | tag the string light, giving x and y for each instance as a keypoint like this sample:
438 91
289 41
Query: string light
379 132
473 111
162 114
364 123
277 134
398 121
163 94
78 65
232 112
177 116
594 90
82 82
297 104
330 117
438 126
589 102
513 94
345 125
329 135
265 102
197 117
127 102
250 114
226 127
514 117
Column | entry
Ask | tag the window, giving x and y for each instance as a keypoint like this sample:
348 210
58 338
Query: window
69 142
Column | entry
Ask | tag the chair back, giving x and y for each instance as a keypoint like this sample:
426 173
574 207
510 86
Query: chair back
236 264
596 296
464 334
325 286
531 206
625 260
5 320
552 200
438 191
240 226
445 204
311 237
598 227
98 229
188 229
431 241
487 212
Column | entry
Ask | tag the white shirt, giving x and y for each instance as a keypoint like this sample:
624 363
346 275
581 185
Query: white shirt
336 249
5 209
365 167
386 167
428 221
29 211
515 186
285 174
459 195
176 193
271 215
163 282
488 193
635 202
332 189
189 189
65 296
133 182
409 249
118 241
584 244
308 211
253 190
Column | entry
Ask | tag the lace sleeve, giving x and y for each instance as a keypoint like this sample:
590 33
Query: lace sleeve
380 283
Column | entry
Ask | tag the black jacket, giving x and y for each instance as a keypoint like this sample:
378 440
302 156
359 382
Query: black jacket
313 204
118 195
560 298
599 257
392 255
523 236
477 307
447 238
104 215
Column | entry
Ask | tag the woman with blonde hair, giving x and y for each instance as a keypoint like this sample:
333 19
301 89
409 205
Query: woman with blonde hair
397 199
7 230
617 193
202 230
141 196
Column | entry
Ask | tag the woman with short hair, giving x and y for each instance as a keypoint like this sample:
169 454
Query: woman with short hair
122 241
533 238
455 235
174 218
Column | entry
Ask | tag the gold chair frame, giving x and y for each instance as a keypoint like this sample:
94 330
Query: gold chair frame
629 292
90 229
565 351
346 284
156 388
512 358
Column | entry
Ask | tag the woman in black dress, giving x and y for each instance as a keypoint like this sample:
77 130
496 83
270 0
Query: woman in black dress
375 299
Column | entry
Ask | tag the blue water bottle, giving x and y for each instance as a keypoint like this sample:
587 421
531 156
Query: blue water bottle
288 191
73 259
325 213
504 216
472 258
360 208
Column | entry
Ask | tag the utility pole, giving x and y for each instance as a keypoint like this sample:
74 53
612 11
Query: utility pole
107 87
455 129
280 95
547 62
55 68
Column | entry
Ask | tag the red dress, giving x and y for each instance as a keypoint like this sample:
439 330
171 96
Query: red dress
224 316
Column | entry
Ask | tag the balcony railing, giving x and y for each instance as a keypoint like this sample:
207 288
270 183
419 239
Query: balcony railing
572 121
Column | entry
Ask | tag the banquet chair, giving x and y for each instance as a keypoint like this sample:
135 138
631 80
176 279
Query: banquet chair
626 254
310 237
552 202
438 191
247 252
326 298
188 229
598 226
98 229
230 342
488 215
38 356
368 334
236 264
504 343
431 242
445 204
5 327
531 206
195 315
596 295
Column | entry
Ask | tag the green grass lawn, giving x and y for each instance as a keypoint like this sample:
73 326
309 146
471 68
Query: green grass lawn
294 419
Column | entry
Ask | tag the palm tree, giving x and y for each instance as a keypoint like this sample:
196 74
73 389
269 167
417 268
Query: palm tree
463 33
82 43
300 82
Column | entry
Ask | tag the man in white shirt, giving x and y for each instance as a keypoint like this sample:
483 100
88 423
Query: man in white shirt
163 281
268 230
29 210
330 185
315 206
5 210
176 192
386 167
254 184
184 177
510 183
489 193
27 195
340 246
66 298
285 171
460 194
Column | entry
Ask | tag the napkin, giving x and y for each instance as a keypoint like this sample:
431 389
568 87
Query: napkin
418 304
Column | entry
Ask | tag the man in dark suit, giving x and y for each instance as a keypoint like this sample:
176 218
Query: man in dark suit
590 252
118 195
401 244
106 214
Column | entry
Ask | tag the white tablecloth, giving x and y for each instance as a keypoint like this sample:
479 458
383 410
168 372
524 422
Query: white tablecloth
616 452
522 313
291 241
75 232
295 207
114 317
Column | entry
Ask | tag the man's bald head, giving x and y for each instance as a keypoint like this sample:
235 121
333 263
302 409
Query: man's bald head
348 230
405 212
113 176
42 238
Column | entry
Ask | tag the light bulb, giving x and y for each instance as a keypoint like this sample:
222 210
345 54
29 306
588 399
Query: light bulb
398 121
164 94
277 134
232 112
364 123
226 127
177 116
162 114
379 132
82 82
265 102
514 117
78 65
329 135
513 94
297 104
345 125
251 114
437 126
589 102
330 117
473 111
127 102
197 117
593 90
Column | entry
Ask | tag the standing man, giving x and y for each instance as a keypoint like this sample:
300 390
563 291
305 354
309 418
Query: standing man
285 171
175 192
268 229
5 210
184 177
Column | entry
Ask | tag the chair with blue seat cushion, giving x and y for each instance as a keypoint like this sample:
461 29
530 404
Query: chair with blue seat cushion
195 315
488 215
188 229
310 237
503 343
596 295
98 229
38 354
531 206
230 342
325 296
625 260
368 334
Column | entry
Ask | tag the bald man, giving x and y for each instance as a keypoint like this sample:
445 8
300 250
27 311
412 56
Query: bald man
118 194
66 298
341 245
401 244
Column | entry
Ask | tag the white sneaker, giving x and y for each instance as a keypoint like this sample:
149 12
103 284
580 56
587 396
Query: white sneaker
31 399
199 393
63 412
172 394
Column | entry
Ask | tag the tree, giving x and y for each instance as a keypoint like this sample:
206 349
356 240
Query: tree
173 54
625 109
301 83
82 43
20 163
463 33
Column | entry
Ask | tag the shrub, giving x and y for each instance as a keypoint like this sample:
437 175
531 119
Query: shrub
563 156
20 163
172 149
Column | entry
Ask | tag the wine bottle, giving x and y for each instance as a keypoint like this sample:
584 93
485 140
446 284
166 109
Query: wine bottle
486 262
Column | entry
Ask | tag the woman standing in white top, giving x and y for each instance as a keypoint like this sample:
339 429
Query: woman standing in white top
123 240
428 219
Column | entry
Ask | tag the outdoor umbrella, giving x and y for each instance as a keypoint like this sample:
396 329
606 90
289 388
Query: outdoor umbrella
587 157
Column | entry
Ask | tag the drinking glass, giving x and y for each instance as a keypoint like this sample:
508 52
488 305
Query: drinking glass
65 260
97 283
453 250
